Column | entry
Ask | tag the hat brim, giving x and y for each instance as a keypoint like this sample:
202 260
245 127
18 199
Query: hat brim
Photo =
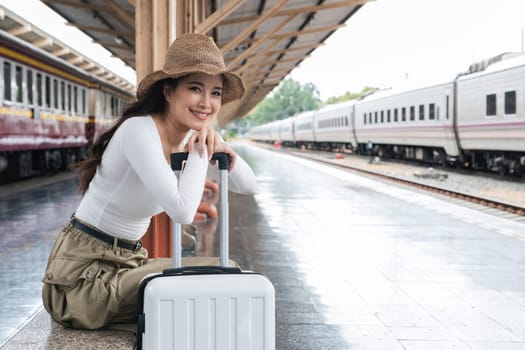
233 88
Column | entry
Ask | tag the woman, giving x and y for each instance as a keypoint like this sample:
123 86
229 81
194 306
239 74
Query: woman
97 262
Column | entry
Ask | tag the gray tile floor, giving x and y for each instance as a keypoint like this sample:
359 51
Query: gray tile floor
359 264
29 221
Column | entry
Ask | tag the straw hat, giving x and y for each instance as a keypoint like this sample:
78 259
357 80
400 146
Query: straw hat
195 53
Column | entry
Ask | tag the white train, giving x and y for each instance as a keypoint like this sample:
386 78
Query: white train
477 121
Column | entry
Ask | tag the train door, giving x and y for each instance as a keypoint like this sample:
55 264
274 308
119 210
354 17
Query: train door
446 119
352 127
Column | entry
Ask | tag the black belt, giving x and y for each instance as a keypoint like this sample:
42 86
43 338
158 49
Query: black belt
105 237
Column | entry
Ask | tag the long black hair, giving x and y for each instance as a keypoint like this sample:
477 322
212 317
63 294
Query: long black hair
153 101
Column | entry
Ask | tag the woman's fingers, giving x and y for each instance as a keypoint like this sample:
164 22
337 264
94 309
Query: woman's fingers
211 143
224 147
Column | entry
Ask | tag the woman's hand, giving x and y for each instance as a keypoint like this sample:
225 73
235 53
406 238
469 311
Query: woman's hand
211 140
204 139
222 146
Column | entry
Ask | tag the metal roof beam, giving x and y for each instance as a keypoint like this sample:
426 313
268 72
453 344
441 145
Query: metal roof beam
257 43
85 27
78 4
76 60
326 6
309 31
123 16
61 52
226 48
299 10
114 45
87 66
212 20
289 49
283 71
43 42
26 28
266 58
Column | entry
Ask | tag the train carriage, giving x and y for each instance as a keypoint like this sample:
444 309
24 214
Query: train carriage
411 124
287 132
334 126
304 128
49 110
491 115
258 133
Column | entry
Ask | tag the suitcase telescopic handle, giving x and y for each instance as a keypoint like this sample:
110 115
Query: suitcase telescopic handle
177 160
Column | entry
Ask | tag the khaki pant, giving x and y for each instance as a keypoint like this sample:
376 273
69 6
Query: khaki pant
91 284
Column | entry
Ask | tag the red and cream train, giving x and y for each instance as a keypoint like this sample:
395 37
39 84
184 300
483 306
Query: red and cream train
49 110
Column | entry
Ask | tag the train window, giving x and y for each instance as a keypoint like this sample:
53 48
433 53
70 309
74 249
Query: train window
39 89
364 118
7 81
69 97
113 106
47 91
75 99
491 105
431 111
448 106
382 116
19 92
55 93
84 109
510 102
412 113
421 112
63 95
388 116
395 114
29 80
403 114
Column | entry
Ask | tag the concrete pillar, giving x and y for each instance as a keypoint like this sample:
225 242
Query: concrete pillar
143 36
157 24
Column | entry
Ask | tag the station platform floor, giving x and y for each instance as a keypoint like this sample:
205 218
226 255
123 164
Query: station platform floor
357 263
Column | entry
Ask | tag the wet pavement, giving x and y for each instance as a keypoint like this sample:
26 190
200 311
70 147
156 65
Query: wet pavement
29 221
356 263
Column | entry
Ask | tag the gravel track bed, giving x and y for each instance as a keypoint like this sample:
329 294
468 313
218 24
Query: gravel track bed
511 192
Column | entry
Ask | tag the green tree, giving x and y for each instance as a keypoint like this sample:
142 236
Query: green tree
349 95
290 98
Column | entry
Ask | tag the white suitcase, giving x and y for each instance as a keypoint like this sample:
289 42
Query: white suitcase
206 307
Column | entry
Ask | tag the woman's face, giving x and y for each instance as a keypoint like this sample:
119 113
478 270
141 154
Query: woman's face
195 100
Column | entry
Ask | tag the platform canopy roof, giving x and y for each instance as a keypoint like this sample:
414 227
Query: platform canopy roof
263 40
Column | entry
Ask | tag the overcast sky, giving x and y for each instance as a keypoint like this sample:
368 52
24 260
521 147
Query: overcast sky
388 43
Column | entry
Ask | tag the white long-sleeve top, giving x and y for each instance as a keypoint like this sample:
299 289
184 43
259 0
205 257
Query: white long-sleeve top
134 182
